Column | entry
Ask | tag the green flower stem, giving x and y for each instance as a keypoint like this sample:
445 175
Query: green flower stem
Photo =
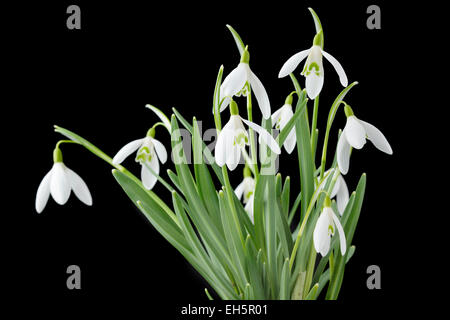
314 126
229 191
252 134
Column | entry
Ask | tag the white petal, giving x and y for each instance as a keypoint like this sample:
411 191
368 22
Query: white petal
126 150
342 196
233 156
321 238
291 140
336 187
343 153
147 177
59 184
235 81
292 63
160 150
264 136
249 208
79 187
239 191
225 102
220 149
276 116
355 133
343 242
377 138
337 66
260 94
314 84
43 192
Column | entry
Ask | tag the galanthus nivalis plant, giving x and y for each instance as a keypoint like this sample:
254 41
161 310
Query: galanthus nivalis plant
261 239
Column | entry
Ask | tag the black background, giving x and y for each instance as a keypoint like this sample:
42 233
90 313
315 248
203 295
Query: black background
96 82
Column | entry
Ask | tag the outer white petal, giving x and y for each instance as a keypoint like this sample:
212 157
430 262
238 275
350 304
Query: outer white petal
276 115
321 238
59 184
225 102
314 84
355 133
264 136
126 150
79 187
239 191
260 94
147 177
343 242
342 196
343 153
377 138
292 63
220 149
235 81
160 150
233 156
249 208
291 140
337 66
337 185
43 192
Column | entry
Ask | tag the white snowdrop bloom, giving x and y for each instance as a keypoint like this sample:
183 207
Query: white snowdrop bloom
280 118
354 135
246 189
340 191
313 69
59 182
233 138
325 229
235 84
149 152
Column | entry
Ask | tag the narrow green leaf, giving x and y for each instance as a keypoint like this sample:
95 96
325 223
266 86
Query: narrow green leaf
284 281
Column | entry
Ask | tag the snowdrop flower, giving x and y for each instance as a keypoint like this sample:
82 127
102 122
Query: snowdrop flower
236 84
280 118
313 69
340 191
233 138
247 189
59 182
325 229
146 156
354 135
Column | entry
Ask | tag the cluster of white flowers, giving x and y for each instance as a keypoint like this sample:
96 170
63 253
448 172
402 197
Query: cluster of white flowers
233 139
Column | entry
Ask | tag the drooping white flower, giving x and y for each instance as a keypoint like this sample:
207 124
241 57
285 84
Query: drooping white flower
354 135
233 138
280 118
59 182
236 84
247 189
149 152
325 229
313 69
340 191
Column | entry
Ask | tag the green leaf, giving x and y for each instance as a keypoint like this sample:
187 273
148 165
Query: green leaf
284 281
312 295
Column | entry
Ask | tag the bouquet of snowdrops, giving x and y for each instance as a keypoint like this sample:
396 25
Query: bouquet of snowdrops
257 240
